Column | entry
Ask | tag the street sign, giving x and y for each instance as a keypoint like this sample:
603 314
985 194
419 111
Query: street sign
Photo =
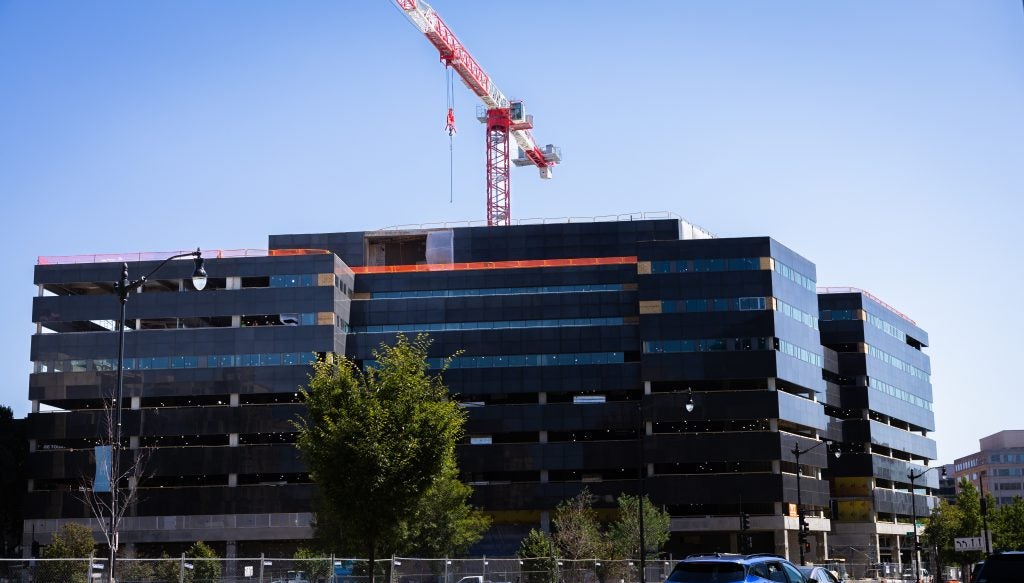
969 543
248 571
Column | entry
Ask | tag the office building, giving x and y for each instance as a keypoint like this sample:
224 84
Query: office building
998 467
879 400
580 344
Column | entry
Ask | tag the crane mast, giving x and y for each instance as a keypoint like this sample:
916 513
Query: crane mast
501 118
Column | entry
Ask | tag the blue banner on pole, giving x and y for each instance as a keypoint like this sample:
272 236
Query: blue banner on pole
102 481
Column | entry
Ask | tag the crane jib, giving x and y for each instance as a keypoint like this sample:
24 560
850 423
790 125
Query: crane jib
503 119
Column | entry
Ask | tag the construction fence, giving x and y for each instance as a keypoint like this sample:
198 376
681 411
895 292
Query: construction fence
394 570
331 570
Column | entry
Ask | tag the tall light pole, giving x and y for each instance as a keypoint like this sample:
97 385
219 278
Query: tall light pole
123 289
913 513
643 483
983 502
804 528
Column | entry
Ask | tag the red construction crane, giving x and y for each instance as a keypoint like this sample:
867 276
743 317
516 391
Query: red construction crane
501 116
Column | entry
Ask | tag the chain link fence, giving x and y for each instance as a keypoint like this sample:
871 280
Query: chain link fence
397 570
331 570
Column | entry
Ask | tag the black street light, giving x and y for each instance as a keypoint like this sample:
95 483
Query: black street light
123 288
804 526
643 484
913 513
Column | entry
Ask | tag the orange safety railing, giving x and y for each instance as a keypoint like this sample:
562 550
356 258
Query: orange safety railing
161 255
857 290
518 264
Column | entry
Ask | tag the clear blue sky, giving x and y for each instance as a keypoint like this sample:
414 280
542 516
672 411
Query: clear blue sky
882 140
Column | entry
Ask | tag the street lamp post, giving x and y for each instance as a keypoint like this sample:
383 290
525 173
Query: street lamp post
913 513
123 289
643 483
983 502
802 525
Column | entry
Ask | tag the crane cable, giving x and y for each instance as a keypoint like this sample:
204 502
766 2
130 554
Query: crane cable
450 127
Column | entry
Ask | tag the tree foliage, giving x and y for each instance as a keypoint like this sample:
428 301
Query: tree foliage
443 524
74 540
1007 524
540 558
376 442
206 566
577 530
317 568
167 569
950 521
624 533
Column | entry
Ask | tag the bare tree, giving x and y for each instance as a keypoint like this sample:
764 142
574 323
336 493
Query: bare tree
101 503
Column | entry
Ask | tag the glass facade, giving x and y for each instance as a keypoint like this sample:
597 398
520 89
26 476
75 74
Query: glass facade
559 364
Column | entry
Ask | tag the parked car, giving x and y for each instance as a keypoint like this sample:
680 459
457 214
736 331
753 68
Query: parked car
1006 567
733 568
818 574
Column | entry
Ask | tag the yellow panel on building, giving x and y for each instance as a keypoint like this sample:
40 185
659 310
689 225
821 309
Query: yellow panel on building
650 306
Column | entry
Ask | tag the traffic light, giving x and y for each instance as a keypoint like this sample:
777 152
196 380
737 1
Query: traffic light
744 521
805 531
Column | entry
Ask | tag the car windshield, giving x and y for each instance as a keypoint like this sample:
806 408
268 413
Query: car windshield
707 573
1000 568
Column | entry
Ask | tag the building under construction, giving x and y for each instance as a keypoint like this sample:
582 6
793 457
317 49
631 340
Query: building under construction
582 345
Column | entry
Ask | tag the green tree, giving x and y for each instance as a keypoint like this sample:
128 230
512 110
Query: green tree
375 441
624 533
317 568
74 540
205 564
167 570
961 519
1007 523
443 524
540 558
132 570
577 531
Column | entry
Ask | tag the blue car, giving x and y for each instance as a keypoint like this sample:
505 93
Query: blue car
732 568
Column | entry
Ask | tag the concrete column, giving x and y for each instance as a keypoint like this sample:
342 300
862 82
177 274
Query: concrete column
543 436
233 440
647 387
232 480
230 565
542 398
543 476
234 399
32 447
782 544
35 409
236 321
133 443
897 553
545 521
136 404
771 384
